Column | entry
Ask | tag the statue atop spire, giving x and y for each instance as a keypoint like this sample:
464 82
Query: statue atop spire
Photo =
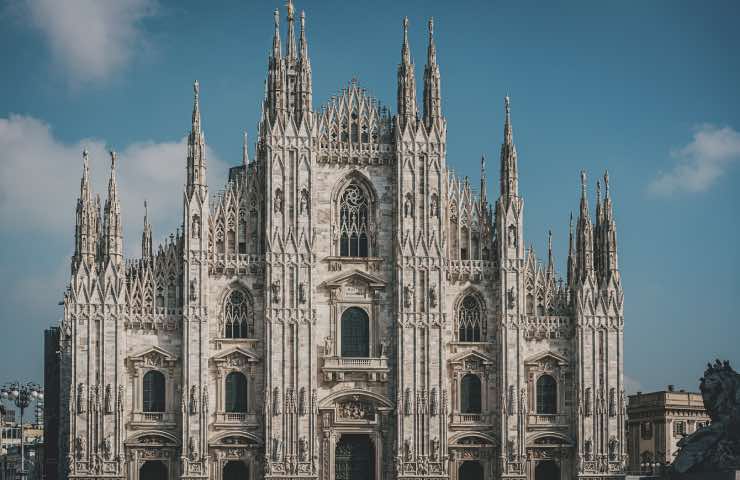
432 93
196 163
509 167
406 82
146 236
245 150
291 53
112 230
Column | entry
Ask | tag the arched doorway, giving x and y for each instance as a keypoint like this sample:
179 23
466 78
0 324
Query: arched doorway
470 471
153 470
235 470
354 458
548 470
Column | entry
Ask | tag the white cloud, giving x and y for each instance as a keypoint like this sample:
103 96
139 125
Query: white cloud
711 153
631 385
40 180
92 39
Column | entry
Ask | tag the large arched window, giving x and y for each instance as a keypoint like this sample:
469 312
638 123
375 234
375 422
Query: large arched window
470 401
469 320
355 333
237 316
153 391
547 395
353 222
236 393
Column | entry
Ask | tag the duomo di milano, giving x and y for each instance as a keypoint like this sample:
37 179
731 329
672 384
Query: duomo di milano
346 308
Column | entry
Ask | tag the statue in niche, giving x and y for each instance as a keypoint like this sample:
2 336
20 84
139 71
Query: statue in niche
434 205
192 449
193 400
407 402
613 447
302 402
512 400
433 296
408 449
196 226
108 400
275 287
302 292
119 400
80 447
587 449
303 449
107 448
523 398
435 449
277 449
278 204
408 296
193 290
304 202
588 402
714 447
408 206
384 347
328 350
511 298
512 236
81 399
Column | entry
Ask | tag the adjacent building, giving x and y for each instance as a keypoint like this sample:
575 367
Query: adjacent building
657 421
345 308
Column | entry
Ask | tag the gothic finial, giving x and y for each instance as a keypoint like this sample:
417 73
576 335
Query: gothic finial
196 105
276 36
146 213
303 44
606 183
291 35
113 158
598 192
432 50
508 132
583 183
245 150
405 53
549 249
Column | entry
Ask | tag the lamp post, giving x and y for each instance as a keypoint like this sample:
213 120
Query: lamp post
22 395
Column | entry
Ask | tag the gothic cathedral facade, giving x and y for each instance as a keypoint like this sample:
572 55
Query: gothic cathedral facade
346 308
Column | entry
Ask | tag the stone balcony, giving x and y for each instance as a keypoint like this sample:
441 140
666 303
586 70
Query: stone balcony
237 419
372 369
547 421
471 420
151 419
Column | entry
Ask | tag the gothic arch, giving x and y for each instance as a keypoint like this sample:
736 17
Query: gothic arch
236 311
366 193
470 309
566 441
487 439
247 437
138 437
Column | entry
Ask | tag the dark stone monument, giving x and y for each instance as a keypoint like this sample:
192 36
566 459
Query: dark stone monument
713 451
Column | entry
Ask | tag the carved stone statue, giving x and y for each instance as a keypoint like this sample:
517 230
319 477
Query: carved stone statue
303 449
81 399
715 447
193 400
433 296
275 291
108 400
408 296
107 447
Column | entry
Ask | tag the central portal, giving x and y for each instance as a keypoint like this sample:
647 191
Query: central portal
354 457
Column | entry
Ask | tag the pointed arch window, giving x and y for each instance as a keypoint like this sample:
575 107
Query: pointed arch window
470 394
153 391
547 395
355 333
469 319
236 393
237 316
353 222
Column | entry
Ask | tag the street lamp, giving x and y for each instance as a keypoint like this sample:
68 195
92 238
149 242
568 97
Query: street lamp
22 395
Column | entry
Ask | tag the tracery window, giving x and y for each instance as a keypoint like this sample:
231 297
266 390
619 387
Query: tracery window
353 222
470 400
236 393
469 320
355 333
237 316
153 391
547 395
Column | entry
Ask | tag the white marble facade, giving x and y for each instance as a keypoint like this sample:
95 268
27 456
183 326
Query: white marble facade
345 308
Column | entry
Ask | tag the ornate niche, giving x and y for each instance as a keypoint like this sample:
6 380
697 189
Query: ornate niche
236 447
245 362
357 294
473 447
157 359
556 367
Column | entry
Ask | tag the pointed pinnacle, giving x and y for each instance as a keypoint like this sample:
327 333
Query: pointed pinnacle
508 133
583 183
406 55
245 150
606 183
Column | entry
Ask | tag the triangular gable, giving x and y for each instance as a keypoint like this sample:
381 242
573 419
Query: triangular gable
233 355
558 360
153 356
471 354
371 280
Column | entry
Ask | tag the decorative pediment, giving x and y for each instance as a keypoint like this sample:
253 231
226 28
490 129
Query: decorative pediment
547 361
355 284
153 357
237 357
471 360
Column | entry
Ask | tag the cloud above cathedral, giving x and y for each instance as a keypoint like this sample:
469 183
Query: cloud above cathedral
40 180
91 39
713 151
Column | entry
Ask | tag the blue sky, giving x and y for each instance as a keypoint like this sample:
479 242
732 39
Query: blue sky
647 90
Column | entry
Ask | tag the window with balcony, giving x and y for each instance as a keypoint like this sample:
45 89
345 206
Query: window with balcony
470 394
236 393
153 391
355 333
547 395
